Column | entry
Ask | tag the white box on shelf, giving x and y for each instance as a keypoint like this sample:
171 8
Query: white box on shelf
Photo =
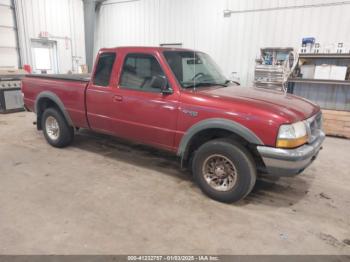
316 49
329 49
306 48
307 71
341 48
322 71
338 72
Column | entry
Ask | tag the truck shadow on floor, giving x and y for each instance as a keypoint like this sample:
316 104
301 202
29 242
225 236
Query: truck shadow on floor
131 153
283 192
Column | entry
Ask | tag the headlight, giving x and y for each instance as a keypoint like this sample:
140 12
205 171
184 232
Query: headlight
291 136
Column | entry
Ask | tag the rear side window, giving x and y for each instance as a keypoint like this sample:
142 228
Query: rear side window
139 72
104 69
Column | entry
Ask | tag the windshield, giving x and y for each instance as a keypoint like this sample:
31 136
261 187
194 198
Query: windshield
194 69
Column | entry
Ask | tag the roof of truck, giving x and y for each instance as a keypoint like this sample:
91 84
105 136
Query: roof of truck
148 48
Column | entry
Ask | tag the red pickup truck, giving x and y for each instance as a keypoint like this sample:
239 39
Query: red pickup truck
178 100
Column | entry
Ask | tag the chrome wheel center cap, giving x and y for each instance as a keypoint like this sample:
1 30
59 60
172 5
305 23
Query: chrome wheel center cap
52 128
219 171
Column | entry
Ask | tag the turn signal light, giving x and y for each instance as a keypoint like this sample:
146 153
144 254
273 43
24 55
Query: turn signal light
291 143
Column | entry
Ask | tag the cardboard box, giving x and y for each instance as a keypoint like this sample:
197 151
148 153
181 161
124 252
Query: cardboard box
307 71
322 71
338 72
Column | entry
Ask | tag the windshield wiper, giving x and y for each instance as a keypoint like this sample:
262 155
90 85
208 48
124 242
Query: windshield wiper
199 84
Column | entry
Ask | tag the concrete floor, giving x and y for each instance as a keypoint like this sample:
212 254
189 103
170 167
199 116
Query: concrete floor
104 196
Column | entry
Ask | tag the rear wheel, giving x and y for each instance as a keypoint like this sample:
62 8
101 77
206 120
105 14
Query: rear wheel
56 129
224 170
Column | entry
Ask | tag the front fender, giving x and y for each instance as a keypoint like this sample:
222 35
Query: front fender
217 123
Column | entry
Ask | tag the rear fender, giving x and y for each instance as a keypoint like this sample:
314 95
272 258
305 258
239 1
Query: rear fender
47 95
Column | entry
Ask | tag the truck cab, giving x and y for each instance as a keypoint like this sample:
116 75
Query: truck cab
135 98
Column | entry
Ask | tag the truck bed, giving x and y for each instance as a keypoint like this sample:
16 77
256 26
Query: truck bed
68 77
67 88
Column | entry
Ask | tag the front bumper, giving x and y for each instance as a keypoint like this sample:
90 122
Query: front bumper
290 162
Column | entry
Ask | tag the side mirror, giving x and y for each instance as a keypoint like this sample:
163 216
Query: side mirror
161 83
167 90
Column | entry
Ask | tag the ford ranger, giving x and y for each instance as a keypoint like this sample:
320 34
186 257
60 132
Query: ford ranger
178 100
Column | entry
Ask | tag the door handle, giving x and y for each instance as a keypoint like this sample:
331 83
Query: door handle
117 98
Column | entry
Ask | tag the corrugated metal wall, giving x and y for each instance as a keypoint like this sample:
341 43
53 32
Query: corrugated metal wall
234 42
64 22
8 43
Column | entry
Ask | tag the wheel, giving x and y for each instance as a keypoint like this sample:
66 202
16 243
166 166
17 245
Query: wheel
224 170
56 129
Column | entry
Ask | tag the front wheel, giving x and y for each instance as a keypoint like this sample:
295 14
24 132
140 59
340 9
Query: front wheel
224 170
56 129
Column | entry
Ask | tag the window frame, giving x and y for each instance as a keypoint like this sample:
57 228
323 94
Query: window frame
111 72
139 89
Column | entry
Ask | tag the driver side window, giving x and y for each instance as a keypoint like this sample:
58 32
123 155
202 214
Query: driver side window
140 72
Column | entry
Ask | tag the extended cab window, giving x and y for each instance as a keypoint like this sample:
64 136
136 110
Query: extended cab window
140 71
104 69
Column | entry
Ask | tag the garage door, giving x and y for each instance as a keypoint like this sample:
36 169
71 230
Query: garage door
8 45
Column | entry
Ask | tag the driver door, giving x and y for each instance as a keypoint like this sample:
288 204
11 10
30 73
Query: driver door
143 112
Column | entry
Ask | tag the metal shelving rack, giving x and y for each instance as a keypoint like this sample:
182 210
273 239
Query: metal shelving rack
324 55
333 96
273 75
319 81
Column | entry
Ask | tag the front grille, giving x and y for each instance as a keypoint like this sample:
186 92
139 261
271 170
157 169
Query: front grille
314 125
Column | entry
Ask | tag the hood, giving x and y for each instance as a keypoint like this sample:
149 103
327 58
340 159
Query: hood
292 108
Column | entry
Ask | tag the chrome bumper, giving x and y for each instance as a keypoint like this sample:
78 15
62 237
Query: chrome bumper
289 162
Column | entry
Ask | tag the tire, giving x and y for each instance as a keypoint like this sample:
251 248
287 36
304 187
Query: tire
60 134
218 158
